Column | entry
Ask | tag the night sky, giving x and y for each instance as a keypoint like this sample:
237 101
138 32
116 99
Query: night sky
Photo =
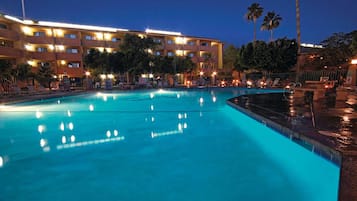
223 20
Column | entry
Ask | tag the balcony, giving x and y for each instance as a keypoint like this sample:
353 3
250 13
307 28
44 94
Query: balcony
39 40
71 72
9 35
10 52
207 48
69 56
112 44
93 43
68 41
43 56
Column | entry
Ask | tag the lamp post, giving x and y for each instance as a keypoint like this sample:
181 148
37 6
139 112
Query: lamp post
23 9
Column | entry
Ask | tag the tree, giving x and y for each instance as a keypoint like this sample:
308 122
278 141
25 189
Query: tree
271 22
337 50
254 12
354 42
5 74
230 57
277 56
45 75
22 72
136 56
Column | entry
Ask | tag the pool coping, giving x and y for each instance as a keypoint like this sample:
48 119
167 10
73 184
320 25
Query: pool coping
345 159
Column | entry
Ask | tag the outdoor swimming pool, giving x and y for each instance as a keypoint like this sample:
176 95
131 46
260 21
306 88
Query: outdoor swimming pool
153 145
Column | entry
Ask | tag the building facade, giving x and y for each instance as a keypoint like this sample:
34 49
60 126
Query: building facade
63 45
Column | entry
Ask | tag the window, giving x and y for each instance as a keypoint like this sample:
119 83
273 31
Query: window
192 43
72 50
157 40
43 64
157 53
72 36
41 49
39 34
88 37
204 44
116 39
73 64
170 54
191 54
170 42
3 26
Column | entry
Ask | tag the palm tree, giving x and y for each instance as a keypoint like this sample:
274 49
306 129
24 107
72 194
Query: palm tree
298 39
271 21
254 12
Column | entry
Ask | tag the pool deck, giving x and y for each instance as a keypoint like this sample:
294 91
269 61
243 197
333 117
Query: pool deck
326 126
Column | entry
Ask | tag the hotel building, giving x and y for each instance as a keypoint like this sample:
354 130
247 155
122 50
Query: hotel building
64 45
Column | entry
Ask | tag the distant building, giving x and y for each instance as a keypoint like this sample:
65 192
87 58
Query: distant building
63 45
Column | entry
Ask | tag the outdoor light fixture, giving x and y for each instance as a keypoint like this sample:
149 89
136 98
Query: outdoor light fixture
354 61
162 32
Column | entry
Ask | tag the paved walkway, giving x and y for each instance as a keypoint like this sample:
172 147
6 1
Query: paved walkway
326 127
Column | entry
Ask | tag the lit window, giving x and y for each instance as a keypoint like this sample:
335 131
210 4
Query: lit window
88 37
71 36
73 65
39 34
116 39
170 54
170 42
191 54
157 40
41 49
72 50
157 53
192 43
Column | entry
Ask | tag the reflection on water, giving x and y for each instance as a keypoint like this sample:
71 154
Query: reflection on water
89 142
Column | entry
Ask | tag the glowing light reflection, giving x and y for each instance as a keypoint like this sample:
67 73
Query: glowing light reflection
1 162
152 107
64 139
178 95
152 95
62 126
69 114
91 107
108 133
43 142
86 143
115 133
41 128
153 134
38 114
73 138
214 99
70 126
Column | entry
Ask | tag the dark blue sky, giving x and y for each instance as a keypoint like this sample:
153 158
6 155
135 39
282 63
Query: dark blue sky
223 20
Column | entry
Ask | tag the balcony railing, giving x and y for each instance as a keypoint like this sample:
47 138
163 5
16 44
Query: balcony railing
9 35
11 52
68 41
69 56
39 40
93 43
43 56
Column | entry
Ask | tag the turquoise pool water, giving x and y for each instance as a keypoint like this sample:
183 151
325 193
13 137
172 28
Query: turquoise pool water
153 145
